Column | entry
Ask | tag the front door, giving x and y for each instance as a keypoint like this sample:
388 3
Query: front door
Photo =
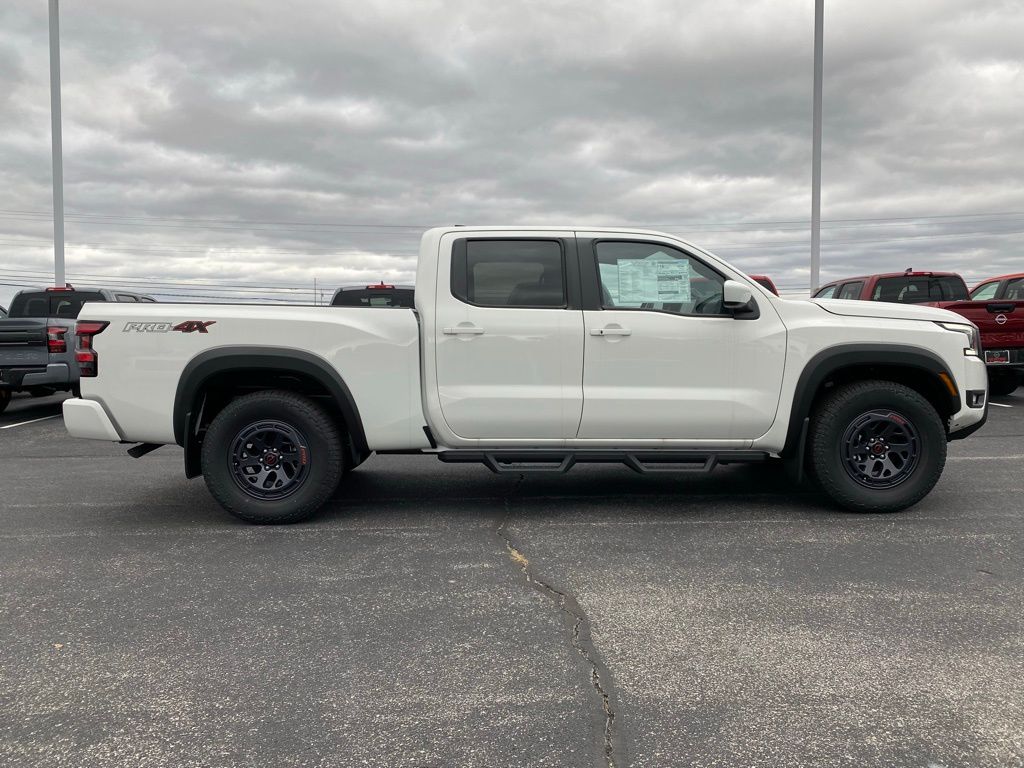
509 352
663 357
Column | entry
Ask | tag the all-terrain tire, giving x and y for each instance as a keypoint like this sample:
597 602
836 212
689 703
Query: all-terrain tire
1002 383
856 416
243 433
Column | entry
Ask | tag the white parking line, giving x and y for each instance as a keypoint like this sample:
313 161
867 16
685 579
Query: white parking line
1000 405
1013 457
30 421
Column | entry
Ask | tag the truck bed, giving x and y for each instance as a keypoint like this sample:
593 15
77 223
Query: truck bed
147 347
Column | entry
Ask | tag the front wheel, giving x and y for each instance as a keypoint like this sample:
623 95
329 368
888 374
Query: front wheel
272 457
876 446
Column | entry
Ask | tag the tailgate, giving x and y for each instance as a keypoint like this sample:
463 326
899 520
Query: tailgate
23 343
1001 322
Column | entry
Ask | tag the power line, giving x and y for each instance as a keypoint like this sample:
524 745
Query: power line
47 214
201 221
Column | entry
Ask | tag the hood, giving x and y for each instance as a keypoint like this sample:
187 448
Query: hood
886 310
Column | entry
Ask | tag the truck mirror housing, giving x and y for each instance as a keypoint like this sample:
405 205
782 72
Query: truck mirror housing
736 296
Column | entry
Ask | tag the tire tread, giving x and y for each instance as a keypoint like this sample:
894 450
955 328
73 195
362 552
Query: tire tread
221 484
829 474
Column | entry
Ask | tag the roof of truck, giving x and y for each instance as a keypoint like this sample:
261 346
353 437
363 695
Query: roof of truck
879 276
1014 276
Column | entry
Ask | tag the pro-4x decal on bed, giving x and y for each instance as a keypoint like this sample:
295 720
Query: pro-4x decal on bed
193 325
188 326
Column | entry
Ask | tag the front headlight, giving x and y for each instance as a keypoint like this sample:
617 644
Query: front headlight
970 330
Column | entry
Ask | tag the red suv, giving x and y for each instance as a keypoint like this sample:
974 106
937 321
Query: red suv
997 309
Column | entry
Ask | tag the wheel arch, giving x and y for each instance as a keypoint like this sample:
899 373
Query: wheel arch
917 367
257 368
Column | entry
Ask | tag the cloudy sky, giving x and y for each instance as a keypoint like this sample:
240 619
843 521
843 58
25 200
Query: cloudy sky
243 146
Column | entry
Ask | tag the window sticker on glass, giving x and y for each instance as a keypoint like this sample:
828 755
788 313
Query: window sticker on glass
658 278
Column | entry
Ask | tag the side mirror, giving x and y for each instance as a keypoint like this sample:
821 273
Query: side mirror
735 295
738 300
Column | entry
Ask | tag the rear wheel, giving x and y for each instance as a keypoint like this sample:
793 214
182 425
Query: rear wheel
272 457
5 399
1002 383
876 446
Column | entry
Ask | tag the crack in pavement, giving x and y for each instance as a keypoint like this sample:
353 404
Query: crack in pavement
580 637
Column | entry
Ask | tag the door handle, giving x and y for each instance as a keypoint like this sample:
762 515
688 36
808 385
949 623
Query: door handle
459 330
609 331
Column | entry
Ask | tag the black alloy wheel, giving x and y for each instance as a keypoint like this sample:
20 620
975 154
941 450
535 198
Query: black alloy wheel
880 449
270 459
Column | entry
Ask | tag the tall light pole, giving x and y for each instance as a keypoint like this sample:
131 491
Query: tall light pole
58 162
819 11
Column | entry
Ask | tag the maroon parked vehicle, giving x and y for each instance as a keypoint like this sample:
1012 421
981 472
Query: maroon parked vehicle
997 311
766 282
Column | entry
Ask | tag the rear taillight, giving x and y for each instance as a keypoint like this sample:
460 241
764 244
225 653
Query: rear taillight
55 339
85 355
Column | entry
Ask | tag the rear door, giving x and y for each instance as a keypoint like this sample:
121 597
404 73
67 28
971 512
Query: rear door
509 349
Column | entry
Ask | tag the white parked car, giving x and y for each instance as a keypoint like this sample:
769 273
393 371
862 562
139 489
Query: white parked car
535 348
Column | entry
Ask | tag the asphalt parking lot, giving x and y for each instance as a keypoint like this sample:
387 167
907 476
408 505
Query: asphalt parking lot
439 615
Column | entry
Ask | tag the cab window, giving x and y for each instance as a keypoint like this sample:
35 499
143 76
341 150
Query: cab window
657 277
509 273
985 292
828 292
1015 290
850 291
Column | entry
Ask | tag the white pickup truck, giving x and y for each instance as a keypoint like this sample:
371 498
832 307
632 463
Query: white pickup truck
535 349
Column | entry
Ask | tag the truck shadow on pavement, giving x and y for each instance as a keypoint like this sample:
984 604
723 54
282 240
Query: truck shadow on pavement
469 490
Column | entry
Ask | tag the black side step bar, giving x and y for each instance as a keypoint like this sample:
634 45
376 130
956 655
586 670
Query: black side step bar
544 460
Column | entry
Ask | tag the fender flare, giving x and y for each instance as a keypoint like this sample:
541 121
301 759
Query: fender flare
833 359
213 361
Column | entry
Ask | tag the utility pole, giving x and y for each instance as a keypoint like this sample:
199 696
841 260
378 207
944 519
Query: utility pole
819 27
58 162
314 292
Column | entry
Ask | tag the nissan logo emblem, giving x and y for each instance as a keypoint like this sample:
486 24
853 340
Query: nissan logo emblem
1001 319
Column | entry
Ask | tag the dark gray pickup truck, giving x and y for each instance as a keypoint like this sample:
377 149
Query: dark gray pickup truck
37 338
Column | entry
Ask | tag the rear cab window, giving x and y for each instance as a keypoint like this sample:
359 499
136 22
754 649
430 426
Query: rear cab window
920 289
828 292
41 304
509 273
374 297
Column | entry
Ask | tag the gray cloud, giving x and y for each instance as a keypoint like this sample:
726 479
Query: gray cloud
203 140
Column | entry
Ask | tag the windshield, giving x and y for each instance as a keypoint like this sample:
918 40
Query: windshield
920 289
